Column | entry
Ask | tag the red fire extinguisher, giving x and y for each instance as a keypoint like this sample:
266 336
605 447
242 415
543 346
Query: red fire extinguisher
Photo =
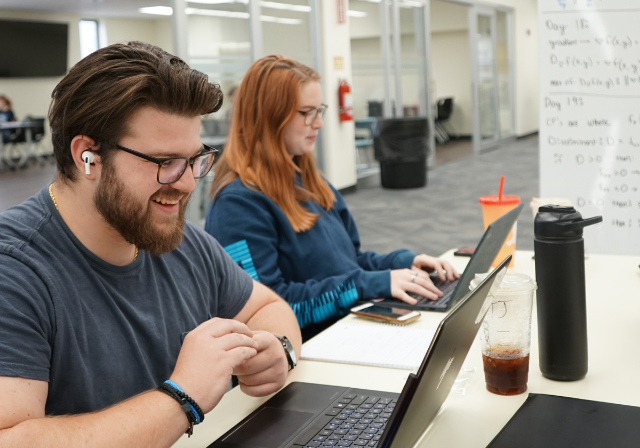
346 101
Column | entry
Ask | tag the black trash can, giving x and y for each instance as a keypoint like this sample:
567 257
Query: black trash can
401 146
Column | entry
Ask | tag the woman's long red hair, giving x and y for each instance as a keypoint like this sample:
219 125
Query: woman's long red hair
266 101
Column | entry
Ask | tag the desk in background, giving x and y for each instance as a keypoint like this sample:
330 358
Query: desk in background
473 419
26 142
24 156
365 166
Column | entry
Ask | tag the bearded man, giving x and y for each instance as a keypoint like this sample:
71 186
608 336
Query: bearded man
105 293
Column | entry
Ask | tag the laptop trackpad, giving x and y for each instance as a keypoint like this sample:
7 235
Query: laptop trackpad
269 428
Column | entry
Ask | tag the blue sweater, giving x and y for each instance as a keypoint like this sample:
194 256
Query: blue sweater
320 272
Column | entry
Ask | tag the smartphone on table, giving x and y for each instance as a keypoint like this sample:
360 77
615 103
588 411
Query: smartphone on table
385 314
465 251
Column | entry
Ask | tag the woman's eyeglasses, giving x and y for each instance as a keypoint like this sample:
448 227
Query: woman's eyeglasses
171 169
311 114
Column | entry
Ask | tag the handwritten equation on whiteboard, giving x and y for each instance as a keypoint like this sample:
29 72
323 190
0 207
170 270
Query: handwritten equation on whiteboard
590 115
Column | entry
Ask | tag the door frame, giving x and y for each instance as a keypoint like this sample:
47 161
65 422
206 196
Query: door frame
474 11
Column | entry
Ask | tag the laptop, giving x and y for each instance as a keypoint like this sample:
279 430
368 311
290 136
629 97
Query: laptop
314 415
480 261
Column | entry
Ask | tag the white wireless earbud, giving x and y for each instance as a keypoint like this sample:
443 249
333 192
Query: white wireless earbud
88 158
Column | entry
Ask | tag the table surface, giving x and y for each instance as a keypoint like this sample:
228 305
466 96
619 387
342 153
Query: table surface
474 417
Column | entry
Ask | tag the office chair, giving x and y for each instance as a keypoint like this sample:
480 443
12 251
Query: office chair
12 148
444 110
41 153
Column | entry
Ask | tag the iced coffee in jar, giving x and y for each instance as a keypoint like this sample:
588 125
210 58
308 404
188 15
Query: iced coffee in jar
505 334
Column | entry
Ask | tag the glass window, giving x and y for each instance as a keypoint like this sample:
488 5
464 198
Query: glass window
367 66
413 63
89 41
286 29
219 44
505 116
486 79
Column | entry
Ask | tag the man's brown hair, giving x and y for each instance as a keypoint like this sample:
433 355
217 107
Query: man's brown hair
101 92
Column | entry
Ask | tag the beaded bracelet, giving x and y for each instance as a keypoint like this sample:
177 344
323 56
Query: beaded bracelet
189 406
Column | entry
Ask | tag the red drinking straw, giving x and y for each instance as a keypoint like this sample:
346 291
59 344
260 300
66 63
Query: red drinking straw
501 186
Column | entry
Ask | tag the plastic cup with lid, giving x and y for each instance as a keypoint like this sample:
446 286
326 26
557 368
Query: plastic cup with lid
493 207
505 334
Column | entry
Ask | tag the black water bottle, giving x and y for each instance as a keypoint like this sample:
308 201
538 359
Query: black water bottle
562 309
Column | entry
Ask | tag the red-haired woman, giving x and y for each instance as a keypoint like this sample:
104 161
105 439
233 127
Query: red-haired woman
283 222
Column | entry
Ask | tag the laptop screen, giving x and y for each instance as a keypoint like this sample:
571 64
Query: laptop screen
425 392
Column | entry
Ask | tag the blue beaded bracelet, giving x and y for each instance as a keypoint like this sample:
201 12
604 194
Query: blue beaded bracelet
189 406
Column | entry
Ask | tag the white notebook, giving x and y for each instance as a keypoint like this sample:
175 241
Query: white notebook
369 343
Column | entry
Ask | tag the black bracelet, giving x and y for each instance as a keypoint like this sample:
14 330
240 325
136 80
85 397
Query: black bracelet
189 406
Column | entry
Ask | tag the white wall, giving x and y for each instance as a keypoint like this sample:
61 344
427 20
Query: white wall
339 148
451 76
153 31
450 62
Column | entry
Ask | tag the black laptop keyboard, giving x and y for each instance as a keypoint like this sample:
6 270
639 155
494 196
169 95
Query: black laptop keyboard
353 421
447 288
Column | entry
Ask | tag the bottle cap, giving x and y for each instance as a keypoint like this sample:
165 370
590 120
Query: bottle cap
558 221
494 199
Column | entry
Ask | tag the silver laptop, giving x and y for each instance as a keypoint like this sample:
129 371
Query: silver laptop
315 415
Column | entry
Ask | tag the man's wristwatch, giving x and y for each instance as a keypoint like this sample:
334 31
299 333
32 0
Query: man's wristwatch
288 350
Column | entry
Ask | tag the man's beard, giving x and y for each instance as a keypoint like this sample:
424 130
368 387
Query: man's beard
132 219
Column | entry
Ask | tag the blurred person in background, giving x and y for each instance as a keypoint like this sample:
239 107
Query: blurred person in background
6 114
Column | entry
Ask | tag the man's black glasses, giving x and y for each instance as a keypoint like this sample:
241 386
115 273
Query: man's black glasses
171 169
310 115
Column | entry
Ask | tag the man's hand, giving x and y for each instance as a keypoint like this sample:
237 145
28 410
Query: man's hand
266 372
208 357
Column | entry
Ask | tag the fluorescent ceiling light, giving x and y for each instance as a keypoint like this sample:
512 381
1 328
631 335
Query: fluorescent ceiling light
403 3
216 2
217 13
410 4
167 11
159 10
264 4
352 13
285 6
280 20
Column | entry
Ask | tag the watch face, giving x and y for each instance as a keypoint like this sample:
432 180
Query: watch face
288 348
292 353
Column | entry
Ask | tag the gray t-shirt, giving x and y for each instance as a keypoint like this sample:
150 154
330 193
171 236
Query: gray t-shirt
100 333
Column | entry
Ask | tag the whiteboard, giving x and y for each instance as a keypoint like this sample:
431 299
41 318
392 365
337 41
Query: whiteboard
590 115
